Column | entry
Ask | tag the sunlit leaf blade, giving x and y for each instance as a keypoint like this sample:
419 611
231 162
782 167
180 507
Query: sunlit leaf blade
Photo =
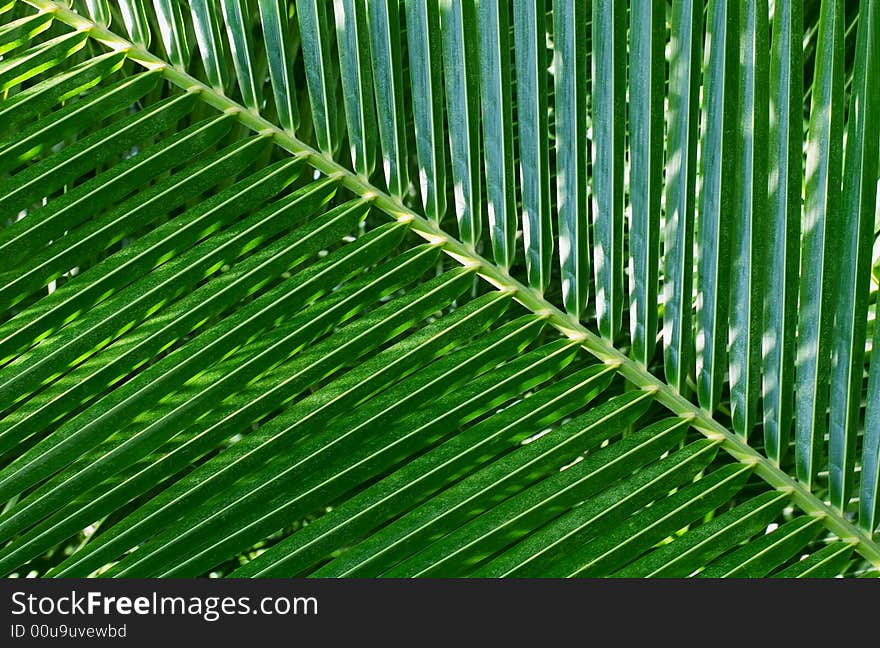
172 30
387 56
719 143
496 95
19 32
784 226
314 29
749 231
134 16
206 23
851 295
99 11
36 60
235 15
208 530
570 74
26 105
647 83
426 76
531 97
681 172
462 78
280 55
609 129
82 157
456 553
225 470
469 449
820 243
353 42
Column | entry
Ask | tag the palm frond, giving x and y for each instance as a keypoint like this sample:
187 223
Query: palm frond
233 345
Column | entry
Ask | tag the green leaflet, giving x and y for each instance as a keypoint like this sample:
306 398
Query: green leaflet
426 76
235 15
749 227
609 129
647 37
531 97
281 54
387 57
720 136
461 74
20 32
172 30
852 295
783 228
74 119
134 16
820 251
572 150
206 24
679 192
352 39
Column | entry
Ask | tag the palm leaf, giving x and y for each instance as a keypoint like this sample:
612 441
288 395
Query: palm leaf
231 347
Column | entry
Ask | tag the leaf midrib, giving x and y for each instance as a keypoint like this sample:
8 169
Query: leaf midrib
466 255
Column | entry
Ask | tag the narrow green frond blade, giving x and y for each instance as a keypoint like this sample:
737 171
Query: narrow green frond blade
606 507
99 11
719 144
609 132
680 198
683 556
280 55
358 514
570 74
172 30
426 75
462 76
530 47
822 227
647 84
74 119
39 59
352 39
29 103
206 23
784 226
456 553
749 230
134 16
19 32
852 290
235 15
387 56
53 172
869 490
263 446
653 524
